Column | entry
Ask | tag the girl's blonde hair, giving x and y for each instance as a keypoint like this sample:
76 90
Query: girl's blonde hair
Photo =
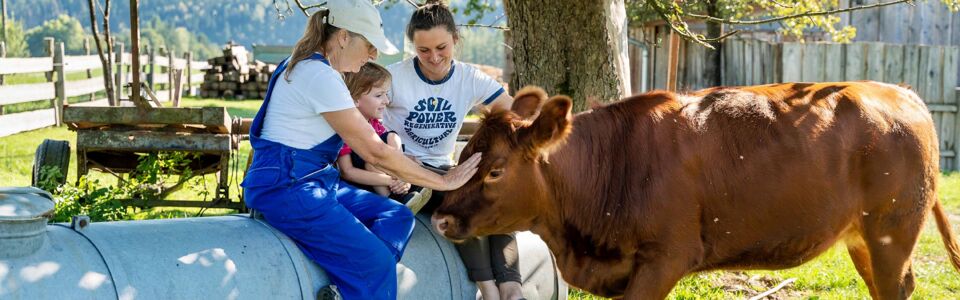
369 76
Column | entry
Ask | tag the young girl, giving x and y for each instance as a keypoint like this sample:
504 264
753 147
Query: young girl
368 88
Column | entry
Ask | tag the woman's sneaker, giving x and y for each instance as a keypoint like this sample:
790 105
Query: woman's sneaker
416 198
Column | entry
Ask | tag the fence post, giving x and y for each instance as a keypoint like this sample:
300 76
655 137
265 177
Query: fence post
48 42
189 70
171 66
61 86
120 77
151 64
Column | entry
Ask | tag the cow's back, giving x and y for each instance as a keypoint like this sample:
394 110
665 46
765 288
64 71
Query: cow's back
787 170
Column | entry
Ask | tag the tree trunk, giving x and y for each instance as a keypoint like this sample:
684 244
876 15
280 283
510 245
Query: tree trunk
105 58
3 20
560 46
713 67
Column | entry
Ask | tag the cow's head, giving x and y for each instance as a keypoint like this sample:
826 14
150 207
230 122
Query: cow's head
509 190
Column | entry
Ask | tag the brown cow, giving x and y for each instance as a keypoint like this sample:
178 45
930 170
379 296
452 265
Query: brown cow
632 196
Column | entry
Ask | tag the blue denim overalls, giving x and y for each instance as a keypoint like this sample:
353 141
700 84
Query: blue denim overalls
356 236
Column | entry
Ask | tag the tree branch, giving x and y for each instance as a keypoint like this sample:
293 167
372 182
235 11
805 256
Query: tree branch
305 8
504 28
683 32
806 14
105 60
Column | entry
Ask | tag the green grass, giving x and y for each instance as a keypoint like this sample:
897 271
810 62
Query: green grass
830 276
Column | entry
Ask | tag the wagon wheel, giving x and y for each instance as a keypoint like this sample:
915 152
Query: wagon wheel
54 153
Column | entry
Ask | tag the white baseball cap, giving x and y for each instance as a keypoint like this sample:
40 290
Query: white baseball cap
360 17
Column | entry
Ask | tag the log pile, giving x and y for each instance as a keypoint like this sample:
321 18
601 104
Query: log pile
235 76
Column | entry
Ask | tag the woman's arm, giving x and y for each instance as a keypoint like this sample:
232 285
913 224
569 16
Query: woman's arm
357 133
361 176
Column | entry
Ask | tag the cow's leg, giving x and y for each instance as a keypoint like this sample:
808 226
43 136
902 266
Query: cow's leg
860 255
890 241
656 278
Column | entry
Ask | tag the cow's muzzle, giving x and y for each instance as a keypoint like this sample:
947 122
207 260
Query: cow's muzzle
446 226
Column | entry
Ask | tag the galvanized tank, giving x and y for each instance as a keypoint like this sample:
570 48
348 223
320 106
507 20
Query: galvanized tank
229 257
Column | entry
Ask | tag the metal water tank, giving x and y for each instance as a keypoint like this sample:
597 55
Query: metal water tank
227 257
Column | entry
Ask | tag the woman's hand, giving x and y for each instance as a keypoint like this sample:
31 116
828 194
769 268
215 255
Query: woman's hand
399 187
459 175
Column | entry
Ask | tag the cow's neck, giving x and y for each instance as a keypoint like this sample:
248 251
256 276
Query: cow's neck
581 223
607 160
576 189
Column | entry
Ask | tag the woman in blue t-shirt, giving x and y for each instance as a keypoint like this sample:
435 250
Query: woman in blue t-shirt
355 235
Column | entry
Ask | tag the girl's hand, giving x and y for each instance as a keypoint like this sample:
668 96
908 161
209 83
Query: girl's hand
399 187
459 175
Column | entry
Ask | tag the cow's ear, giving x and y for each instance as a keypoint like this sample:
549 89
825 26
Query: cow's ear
526 103
549 129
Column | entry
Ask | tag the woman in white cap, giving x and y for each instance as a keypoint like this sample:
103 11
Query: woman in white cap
355 235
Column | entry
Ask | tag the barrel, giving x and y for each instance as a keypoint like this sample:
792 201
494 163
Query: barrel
231 257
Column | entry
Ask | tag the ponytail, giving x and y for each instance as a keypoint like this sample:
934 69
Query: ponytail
317 33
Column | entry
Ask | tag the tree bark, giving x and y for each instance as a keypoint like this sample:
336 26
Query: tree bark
3 20
570 47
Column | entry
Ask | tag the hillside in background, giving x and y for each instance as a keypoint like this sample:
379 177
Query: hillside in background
249 22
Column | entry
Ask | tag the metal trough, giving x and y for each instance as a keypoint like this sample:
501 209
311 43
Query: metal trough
230 257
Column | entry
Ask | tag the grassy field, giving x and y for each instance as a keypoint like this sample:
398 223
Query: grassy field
831 276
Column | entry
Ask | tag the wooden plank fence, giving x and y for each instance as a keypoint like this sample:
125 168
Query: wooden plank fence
157 70
931 71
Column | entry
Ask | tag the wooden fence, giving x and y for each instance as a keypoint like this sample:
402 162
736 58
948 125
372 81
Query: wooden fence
56 89
929 70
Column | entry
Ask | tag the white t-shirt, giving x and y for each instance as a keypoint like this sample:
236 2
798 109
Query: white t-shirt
428 114
293 114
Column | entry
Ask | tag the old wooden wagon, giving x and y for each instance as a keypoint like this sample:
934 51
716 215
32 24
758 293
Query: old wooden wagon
113 139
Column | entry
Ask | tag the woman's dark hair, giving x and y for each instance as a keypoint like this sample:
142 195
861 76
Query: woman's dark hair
431 15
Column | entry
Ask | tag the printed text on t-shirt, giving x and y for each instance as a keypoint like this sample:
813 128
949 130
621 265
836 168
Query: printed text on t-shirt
431 113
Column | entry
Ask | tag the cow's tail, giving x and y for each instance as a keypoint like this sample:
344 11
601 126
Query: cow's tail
947 234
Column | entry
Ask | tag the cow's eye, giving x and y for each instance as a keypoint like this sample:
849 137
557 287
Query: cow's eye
496 173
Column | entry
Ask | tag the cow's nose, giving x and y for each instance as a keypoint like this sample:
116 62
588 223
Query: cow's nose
441 224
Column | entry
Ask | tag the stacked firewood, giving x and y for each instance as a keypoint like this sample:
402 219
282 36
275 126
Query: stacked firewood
235 76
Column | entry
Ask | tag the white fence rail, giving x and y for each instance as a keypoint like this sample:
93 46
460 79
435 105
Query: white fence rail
155 71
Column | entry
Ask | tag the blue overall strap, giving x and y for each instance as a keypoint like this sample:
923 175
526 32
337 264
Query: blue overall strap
257 126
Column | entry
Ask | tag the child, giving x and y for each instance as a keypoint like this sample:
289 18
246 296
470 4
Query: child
369 87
